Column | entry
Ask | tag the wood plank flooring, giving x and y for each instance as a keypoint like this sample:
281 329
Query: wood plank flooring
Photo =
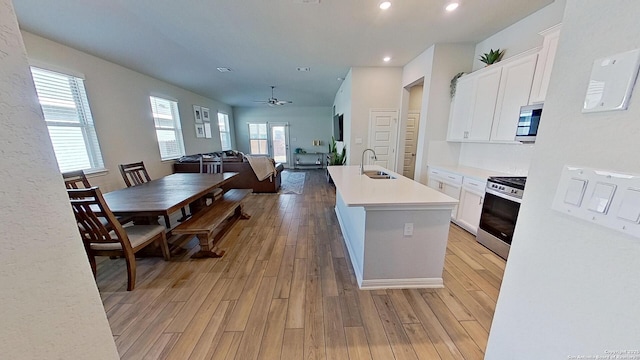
285 289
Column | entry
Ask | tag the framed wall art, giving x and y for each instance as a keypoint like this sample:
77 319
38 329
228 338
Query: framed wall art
205 114
197 113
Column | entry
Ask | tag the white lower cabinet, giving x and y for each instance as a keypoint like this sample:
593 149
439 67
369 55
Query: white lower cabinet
470 206
469 191
447 183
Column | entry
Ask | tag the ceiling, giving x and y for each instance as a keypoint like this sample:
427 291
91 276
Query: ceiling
263 41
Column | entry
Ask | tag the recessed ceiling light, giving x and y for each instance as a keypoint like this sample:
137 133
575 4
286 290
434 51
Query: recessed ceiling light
386 59
223 69
304 69
452 6
384 5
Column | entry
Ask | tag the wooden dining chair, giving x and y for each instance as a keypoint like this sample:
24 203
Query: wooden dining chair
103 235
136 174
212 165
73 179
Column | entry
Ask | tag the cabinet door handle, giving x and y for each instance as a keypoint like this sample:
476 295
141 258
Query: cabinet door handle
480 202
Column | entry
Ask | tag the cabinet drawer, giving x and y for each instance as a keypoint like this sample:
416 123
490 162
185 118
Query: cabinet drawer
474 185
452 178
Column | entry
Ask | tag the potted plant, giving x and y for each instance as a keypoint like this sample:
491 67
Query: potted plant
492 56
335 158
454 83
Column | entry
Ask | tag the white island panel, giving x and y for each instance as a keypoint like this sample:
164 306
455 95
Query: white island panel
393 260
372 214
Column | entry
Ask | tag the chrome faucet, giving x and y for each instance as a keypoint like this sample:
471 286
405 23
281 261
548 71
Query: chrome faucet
362 160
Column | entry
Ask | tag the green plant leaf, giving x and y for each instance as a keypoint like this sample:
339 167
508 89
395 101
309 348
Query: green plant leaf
492 57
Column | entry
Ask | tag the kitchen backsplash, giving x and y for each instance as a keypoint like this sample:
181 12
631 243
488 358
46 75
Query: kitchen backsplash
508 158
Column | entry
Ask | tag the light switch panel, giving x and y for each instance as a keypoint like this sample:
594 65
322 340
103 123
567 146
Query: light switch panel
575 191
601 197
630 207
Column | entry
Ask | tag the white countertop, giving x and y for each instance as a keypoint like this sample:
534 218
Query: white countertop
360 190
476 173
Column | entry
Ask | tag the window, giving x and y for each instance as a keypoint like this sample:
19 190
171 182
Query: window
225 135
258 138
168 130
66 111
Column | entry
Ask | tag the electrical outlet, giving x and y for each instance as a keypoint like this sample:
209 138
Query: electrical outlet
408 229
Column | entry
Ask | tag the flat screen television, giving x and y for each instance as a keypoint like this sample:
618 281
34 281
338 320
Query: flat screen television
338 127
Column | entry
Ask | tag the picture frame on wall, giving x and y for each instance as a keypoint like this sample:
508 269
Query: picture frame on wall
205 114
197 113
207 130
200 131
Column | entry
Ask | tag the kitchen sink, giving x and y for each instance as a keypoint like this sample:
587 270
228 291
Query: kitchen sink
376 174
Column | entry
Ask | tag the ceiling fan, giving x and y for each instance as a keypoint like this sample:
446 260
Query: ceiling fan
272 101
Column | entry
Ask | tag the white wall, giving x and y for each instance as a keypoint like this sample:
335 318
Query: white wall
50 306
508 158
119 100
571 288
342 105
372 88
415 97
305 125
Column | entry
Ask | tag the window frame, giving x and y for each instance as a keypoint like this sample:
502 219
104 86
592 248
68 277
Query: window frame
227 133
266 138
176 127
85 122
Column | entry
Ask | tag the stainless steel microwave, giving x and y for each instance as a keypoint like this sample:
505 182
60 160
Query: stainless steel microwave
528 123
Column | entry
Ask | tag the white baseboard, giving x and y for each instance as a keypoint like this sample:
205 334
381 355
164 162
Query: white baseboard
401 283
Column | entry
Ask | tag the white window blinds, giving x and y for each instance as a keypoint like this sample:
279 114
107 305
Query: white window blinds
258 139
66 111
168 129
225 134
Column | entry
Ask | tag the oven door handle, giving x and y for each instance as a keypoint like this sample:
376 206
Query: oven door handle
503 196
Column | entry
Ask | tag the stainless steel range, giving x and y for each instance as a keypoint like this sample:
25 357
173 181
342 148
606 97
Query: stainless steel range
503 196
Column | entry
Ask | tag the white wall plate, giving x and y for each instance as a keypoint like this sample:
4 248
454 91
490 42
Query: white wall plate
611 82
602 197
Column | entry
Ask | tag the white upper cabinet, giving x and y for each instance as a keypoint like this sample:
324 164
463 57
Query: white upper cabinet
545 64
515 88
486 94
460 114
487 102
474 105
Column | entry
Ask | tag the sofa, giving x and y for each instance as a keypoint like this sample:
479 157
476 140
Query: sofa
233 161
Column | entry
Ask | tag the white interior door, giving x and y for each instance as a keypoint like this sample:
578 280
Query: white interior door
279 142
383 137
410 145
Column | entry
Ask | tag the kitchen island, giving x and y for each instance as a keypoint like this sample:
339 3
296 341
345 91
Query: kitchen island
395 229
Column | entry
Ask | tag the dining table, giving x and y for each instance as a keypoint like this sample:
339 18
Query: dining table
166 195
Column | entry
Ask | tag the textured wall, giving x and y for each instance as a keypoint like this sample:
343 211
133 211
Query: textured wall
571 287
49 304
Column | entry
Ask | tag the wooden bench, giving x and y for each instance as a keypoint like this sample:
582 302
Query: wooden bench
206 223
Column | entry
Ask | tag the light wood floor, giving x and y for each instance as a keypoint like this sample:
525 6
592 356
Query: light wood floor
286 290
